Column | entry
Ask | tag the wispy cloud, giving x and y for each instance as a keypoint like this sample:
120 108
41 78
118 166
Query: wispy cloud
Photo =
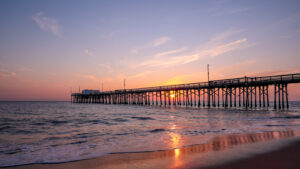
238 10
107 67
166 53
219 38
6 73
87 52
291 34
221 11
87 76
178 79
218 73
2 64
287 23
107 79
160 41
217 50
294 18
230 70
275 72
141 74
111 35
48 24
25 69
217 8
216 46
134 51
155 43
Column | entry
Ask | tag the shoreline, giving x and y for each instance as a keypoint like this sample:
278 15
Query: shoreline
222 151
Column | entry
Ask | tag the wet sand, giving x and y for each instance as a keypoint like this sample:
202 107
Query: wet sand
285 158
260 150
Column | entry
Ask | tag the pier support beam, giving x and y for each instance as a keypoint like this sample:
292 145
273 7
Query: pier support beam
208 97
286 95
275 91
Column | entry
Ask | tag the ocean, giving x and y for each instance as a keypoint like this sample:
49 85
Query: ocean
52 132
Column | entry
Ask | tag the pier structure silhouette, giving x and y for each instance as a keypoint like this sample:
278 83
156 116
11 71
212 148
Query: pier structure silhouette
248 92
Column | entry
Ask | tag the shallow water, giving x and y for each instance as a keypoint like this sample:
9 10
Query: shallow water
49 132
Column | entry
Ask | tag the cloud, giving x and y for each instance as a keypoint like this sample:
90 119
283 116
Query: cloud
216 74
155 43
7 74
181 79
216 46
176 60
2 64
91 77
47 24
219 38
287 23
275 72
134 51
25 69
107 67
291 19
87 76
223 48
231 70
169 52
111 35
238 10
216 8
160 41
141 74
87 52
108 79
221 12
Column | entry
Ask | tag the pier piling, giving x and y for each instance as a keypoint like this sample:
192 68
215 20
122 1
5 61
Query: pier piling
234 92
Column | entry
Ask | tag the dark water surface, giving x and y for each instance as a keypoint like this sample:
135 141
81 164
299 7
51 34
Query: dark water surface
49 132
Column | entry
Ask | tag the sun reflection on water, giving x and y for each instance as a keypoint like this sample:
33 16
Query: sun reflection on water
177 152
176 143
175 138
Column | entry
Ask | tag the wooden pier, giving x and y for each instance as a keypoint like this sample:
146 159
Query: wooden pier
248 92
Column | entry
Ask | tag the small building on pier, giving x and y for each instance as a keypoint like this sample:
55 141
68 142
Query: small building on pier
88 91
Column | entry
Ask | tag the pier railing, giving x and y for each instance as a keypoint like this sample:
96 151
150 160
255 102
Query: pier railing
245 88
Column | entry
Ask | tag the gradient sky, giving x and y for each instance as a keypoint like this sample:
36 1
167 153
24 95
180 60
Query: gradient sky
49 47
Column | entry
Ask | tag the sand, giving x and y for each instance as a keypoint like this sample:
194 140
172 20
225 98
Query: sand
285 158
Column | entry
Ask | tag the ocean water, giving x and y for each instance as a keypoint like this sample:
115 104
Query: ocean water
51 132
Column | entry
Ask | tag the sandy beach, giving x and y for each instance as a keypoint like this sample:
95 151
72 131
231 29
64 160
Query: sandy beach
286 157
260 150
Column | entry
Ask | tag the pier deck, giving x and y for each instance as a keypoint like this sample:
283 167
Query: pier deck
237 92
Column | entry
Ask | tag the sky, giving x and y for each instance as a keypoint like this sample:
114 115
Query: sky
51 48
